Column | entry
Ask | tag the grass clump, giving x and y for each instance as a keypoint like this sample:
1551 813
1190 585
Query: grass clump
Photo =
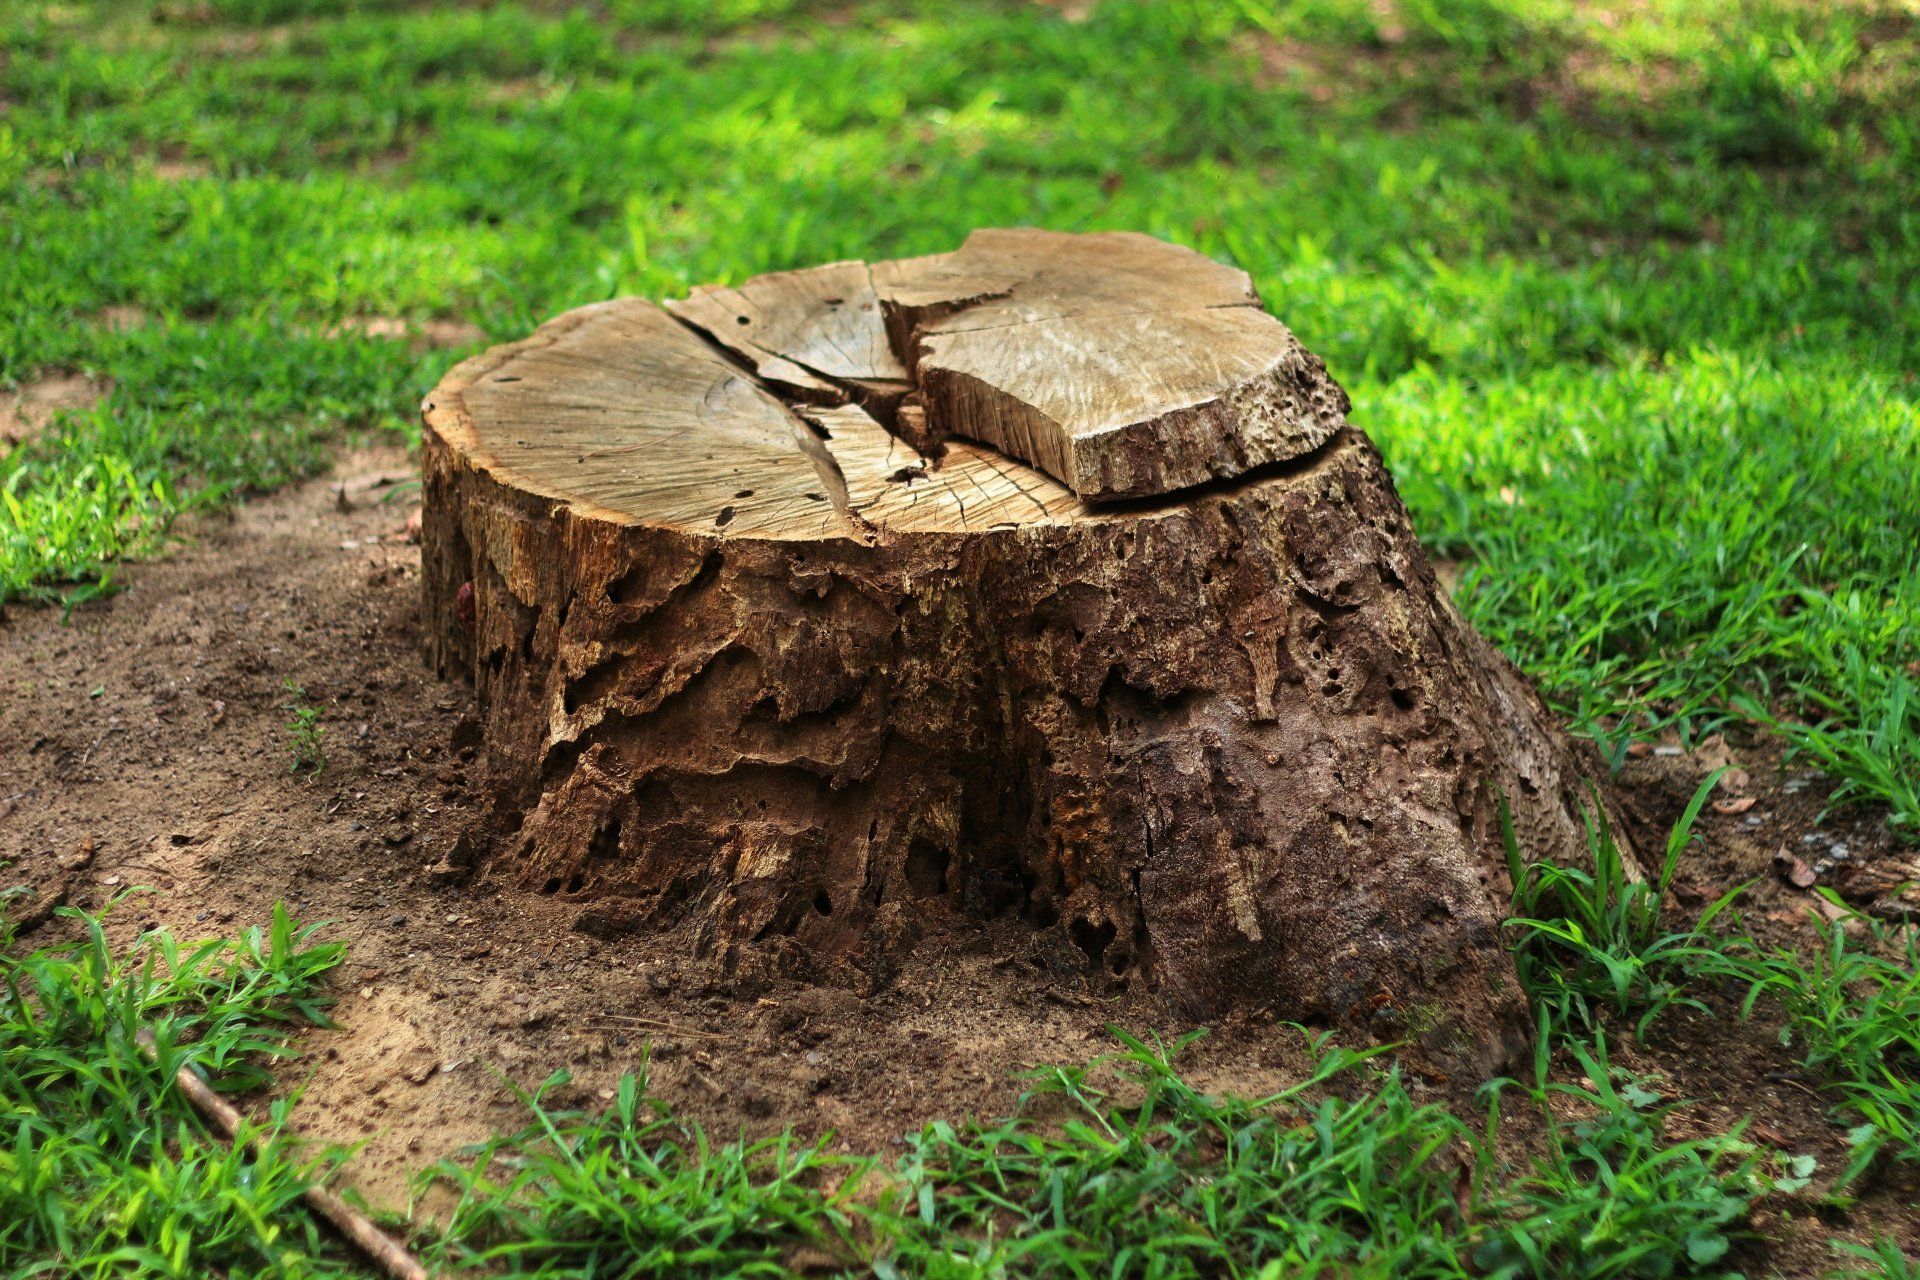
70 518
1884 1258
1153 1176
1613 1198
1589 944
1125 1168
1852 1009
305 734
638 1192
1588 941
107 1171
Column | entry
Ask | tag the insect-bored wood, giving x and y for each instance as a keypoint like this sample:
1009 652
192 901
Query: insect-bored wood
748 658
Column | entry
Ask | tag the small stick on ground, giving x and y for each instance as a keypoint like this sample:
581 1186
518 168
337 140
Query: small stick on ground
369 1239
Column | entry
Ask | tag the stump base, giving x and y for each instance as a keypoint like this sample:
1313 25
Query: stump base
775 670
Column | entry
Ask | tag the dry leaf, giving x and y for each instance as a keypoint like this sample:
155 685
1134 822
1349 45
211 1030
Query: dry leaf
1793 871
1713 753
1739 805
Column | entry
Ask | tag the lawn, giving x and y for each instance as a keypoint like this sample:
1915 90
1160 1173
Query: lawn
1629 295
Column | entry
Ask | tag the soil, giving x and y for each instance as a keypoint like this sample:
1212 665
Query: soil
143 743
29 410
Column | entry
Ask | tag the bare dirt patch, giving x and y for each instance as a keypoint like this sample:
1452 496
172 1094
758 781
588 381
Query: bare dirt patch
144 745
518 91
181 170
121 317
422 335
30 410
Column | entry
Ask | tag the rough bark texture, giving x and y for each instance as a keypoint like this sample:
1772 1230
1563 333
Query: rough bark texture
794 679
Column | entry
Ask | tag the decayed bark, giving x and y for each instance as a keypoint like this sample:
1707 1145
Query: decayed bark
792 678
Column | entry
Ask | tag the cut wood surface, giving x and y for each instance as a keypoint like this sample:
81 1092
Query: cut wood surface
1120 365
748 658
814 333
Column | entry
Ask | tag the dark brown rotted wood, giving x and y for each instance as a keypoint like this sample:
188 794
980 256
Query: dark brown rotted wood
749 658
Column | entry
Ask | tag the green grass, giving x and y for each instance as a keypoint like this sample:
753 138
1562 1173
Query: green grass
1884 1261
1123 1166
1613 1197
1631 297
636 1191
1596 945
105 1169
306 736
1591 946
1587 943
1852 1009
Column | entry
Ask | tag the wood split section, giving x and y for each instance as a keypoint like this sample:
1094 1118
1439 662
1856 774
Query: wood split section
1120 365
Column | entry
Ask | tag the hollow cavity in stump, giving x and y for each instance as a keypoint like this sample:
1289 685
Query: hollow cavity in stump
1045 577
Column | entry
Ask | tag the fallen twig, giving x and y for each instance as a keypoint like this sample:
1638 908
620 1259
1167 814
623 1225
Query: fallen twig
371 1240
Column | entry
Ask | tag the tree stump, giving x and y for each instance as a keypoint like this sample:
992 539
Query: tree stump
1044 579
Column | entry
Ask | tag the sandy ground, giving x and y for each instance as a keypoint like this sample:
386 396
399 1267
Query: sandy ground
144 744
28 411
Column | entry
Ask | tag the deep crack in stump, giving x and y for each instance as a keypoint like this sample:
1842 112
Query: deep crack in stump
1042 578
